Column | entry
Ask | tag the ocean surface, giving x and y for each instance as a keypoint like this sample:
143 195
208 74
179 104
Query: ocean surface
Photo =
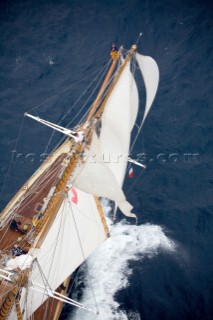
50 52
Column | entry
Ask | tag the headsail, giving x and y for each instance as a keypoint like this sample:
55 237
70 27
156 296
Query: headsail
95 177
117 122
150 73
115 130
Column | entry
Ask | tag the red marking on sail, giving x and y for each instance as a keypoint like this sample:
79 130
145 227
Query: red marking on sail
74 197
131 173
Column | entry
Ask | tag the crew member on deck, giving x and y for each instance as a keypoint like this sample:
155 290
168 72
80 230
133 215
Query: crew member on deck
113 51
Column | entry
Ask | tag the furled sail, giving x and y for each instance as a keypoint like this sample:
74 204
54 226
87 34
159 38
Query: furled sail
150 73
76 232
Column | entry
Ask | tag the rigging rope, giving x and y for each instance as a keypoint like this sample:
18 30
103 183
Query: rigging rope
39 105
79 98
64 90
33 189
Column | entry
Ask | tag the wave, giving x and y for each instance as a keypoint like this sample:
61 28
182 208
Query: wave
108 269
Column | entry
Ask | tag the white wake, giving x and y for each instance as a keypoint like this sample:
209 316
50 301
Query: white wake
108 269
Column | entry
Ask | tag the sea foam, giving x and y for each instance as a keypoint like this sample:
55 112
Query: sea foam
108 270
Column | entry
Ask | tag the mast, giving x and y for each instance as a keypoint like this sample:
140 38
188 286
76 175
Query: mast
103 87
58 195
101 109
57 198
8 303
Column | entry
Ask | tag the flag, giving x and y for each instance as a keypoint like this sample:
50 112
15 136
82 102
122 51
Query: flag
74 197
131 173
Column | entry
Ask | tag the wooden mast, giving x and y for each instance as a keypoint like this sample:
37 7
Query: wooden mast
103 87
56 199
100 110
58 195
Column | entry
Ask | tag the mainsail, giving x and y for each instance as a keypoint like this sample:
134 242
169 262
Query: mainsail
55 221
76 232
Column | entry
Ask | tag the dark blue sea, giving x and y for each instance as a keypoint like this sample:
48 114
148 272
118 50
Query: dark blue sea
50 51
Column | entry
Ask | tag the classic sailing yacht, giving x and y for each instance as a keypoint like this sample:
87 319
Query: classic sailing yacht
55 221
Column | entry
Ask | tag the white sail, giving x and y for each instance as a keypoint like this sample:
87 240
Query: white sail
150 73
97 178
76 232
13 314
90 179
117 122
